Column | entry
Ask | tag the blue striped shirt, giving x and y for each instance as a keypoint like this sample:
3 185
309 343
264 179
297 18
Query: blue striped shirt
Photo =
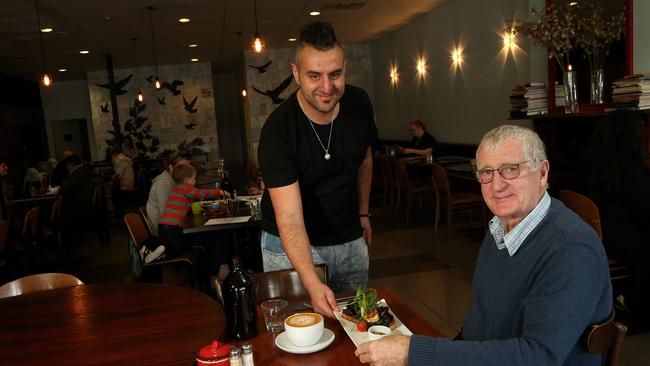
512 240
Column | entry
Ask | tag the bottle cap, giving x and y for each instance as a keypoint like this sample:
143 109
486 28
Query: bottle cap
246 348
234 352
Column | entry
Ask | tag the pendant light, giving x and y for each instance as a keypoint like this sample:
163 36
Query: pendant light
157 83
140 96
45 78
241 57
258 43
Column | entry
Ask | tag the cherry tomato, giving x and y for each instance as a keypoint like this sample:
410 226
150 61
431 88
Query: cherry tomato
362 326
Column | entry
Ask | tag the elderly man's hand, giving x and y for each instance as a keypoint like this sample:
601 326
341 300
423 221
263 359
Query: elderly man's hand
388 351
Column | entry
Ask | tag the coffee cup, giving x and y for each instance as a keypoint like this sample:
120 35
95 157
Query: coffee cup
304 329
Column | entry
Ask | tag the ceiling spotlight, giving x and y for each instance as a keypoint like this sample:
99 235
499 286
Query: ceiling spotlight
193 45
421 66
314 13
63 70
184 20
84 52
195 60
573 3
46 30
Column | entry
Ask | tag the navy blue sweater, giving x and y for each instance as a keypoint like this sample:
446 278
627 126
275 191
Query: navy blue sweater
531 308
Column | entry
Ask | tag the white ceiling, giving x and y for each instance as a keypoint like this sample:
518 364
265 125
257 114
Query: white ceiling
106 27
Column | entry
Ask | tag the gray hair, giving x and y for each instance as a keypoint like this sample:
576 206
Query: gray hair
532 145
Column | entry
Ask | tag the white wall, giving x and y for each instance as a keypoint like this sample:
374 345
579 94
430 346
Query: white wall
458 107
641 10
67 100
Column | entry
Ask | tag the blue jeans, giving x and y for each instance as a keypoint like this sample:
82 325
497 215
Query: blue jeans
347 263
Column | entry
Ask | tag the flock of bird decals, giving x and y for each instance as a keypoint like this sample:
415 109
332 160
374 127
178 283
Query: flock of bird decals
274 94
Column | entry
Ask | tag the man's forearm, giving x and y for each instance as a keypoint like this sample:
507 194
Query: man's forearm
295 241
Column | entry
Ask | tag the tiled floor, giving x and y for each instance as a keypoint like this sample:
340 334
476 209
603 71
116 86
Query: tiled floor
441 296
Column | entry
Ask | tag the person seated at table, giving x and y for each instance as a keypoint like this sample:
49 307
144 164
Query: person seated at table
423 143
123 167
616 176
160 187
541 276
178 205
60 172
77 190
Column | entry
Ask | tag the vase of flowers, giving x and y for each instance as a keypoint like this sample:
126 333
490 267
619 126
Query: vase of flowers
555 30
597 32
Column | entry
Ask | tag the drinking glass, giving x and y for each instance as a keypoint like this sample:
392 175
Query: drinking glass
274 312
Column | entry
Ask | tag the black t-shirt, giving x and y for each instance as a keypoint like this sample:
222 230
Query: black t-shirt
424 142
289 151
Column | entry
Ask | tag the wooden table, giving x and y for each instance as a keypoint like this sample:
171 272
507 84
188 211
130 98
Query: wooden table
341 351
116 324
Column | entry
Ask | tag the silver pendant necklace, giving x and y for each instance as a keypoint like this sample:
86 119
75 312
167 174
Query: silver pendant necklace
327 155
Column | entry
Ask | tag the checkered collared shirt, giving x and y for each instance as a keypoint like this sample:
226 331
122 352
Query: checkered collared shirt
512 240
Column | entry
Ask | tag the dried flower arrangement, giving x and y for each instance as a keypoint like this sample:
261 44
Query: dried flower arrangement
597 32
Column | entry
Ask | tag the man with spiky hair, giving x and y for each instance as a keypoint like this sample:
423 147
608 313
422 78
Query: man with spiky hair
316 158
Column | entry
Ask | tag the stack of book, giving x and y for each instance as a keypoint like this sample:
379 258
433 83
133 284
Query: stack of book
632 92
528 99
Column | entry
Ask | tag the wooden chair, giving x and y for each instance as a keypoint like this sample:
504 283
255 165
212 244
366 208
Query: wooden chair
143 212
27 244
412 189
38 282
461 201
584 207
605 338
51 231
139 233
390 184
284 283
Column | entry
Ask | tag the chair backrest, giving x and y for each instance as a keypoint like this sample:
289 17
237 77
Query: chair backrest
401 176
38 282
56 211
583 206
143 212
605 338
138 230
284 283
30 225
441 179
4 234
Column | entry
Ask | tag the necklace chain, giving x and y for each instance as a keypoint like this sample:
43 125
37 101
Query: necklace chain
329 139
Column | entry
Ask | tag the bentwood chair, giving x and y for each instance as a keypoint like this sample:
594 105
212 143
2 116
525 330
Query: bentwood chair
139 234
466 201
410 188
284 283
605 338
38 282
390 184
27 244
584 207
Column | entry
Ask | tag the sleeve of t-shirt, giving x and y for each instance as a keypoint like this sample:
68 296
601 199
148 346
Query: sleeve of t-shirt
277 161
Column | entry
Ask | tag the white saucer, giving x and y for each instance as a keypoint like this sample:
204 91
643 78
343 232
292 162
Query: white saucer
283 343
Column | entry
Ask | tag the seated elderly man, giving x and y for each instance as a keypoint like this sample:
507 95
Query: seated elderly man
541 276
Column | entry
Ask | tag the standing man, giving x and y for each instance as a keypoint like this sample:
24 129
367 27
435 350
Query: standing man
541 276
316 158
423 143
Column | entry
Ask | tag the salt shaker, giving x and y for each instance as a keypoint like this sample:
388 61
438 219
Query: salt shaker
247 354
235 357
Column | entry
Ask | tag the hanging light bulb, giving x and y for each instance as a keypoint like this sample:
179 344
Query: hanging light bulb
140 96
46 79
157 84
258 43
243 92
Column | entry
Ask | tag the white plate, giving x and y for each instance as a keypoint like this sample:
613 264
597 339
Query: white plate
283 343
362 337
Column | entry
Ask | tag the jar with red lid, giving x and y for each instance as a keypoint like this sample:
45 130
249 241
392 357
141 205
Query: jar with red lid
214 354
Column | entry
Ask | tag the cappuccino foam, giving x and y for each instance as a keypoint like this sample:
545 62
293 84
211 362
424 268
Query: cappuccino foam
303 320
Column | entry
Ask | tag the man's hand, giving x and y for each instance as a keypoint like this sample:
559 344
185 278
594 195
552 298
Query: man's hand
388 351
322 299
367 230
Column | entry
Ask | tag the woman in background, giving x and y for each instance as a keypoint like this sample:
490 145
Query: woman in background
617 178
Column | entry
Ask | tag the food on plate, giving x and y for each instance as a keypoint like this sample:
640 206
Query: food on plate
362 326
364 308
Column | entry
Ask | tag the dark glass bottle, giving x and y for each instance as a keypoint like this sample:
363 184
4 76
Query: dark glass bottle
238 303
226 185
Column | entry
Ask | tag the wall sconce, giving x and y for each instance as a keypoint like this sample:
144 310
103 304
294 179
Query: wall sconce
421 67
508 40
394 75
457 56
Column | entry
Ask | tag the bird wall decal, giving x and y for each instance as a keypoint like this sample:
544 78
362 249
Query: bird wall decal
262 68
104 108
190 106
190 126
150 78
161 101
275 93
117 88
173 86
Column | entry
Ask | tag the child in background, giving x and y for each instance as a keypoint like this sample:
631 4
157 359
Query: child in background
176 209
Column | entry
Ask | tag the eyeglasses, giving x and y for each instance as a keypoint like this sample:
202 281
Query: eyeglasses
507 171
